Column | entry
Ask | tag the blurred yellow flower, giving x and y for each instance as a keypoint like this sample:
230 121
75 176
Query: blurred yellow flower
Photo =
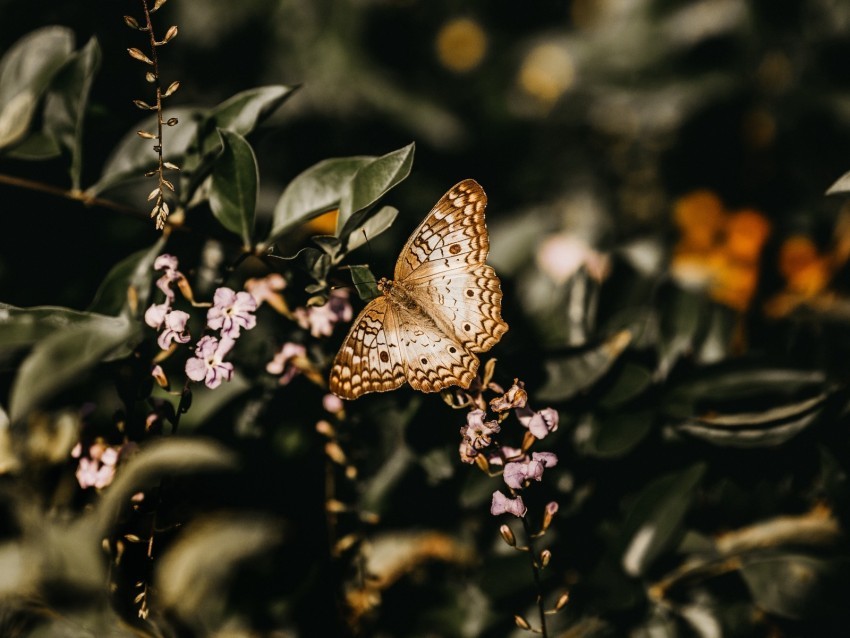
718 249
461 45
547 72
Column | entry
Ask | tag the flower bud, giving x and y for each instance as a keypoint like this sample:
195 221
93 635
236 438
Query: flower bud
508 535
521 622
545 557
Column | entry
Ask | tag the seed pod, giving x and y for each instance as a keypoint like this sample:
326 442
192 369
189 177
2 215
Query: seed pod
157 5
170 34
146 135
138 55
131 22
171 88
143 105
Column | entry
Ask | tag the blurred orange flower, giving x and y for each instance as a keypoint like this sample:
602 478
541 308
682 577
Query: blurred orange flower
718 249
807 274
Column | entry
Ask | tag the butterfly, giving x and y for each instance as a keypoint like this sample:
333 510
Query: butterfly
442 306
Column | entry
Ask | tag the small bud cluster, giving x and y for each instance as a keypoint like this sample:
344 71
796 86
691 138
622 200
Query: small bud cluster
160 210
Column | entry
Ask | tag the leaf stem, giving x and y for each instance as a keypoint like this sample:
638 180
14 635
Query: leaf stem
535 570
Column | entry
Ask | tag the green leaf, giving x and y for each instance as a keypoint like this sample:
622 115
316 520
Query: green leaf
164 458
242 113
25 72
235 181
796 585
631 382
364 282
328 243
373 180
21 327
38 146
61 358
576 373
134 272
134 156
313 261
654 522
361 227
66 102
317 190
615 435
749 407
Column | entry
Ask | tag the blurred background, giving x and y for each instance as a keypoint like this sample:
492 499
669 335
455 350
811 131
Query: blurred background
655 166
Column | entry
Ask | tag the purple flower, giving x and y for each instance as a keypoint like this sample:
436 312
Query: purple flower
285 361
517 473
169 264
207 365
539 423
155 315
497 457
332 403
467 452
501 504
175 329
98 468
477 431
266 289
231 311
322 319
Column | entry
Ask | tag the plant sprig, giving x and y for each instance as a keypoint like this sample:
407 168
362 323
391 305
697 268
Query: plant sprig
161 209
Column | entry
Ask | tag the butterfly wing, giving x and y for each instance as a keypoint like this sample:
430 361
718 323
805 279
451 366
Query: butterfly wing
465 303
433 360
453 235
370 359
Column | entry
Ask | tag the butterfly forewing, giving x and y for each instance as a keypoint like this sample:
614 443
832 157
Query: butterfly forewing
370 359
453 235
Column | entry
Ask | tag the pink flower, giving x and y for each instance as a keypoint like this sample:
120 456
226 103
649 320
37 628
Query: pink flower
332 403
477 431
284 361
322 319
266 290
155 315
467 452
539 423
175 329
501 504
517 473
562 255
98 468
207 364
169 264
515 397
231 311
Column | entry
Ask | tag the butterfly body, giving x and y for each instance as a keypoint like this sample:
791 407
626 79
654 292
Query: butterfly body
442 306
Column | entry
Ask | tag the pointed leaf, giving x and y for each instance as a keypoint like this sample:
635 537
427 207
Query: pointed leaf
25 72
132 156
364 282
134 272
65 106
361 228
244 111
21 327
313 192
655 520
63 357
841 185
235 181
373 180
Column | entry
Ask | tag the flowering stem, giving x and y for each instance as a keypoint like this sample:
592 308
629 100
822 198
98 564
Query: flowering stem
535 569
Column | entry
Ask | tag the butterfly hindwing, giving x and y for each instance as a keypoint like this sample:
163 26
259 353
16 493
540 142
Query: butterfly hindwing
370 359
453 235
433 360
465 303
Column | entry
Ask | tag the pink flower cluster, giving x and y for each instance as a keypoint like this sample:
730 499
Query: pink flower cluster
171 323
97 468
322 319
519 467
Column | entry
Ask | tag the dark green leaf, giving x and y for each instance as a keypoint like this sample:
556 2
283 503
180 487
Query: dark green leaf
654 522
631 381
61 358
796 585
374 179
313 261
615 435
361 227
169 457
66 102
242 113
25 72
315 191
38 146
683 313
364 282
235 181
134 156
328 243
136 272
576 373
20 327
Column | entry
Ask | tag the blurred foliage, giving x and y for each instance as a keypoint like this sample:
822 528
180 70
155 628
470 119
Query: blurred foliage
675 279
